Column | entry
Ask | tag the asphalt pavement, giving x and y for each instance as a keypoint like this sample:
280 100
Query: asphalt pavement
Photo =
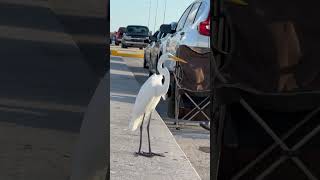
46 85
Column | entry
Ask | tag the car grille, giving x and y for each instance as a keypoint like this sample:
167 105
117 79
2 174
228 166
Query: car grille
137 40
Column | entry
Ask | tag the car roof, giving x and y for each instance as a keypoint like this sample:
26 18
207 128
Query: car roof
137 26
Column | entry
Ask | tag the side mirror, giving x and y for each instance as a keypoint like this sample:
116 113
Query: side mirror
166 28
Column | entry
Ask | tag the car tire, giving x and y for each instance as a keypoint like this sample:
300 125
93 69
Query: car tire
116 43
123 46
140 48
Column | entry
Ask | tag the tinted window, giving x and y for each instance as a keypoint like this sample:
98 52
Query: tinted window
139 30
159 35
201 9
156 34
183 18
163 35
122 29
192 14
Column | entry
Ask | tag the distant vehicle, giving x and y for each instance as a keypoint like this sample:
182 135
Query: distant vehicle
147 50
135 36
163 47
119 35
155 50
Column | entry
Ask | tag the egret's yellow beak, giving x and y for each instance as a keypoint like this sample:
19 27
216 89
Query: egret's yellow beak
175 58
238 2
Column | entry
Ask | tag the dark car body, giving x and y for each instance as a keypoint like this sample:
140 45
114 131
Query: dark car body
147 50
119 35
135 36
156 48
152 52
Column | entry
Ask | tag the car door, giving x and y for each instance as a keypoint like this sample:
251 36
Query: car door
175 37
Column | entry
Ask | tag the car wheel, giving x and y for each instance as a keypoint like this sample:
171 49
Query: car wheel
116 43
123 46
140 48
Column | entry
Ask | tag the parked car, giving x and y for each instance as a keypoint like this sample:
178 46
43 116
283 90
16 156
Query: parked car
155 49
147 50
135 36
163 46
193 28
119 35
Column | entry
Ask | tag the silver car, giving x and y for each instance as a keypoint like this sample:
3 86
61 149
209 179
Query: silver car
193 28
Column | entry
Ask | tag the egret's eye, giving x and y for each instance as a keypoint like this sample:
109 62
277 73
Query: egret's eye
163 79
162 65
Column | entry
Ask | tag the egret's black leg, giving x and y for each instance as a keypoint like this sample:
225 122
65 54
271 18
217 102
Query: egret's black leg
141 128
150 153
149 133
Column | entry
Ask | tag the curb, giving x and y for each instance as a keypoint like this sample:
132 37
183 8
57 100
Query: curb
131 55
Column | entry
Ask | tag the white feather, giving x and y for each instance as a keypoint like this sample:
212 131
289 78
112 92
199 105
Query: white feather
146 101
150 94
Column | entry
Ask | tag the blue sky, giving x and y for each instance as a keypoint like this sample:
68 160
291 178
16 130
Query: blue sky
136 12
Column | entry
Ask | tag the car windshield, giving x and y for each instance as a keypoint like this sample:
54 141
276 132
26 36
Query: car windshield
138 30
122 29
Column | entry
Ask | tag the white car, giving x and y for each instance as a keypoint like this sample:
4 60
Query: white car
193 29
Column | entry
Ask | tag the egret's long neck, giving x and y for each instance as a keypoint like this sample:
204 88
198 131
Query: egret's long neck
164 72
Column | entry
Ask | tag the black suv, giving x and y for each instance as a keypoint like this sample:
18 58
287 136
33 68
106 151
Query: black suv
135 36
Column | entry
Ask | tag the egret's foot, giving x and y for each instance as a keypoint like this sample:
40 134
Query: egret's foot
139 153
151 154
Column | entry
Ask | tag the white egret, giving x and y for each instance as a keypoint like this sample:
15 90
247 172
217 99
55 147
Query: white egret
148 98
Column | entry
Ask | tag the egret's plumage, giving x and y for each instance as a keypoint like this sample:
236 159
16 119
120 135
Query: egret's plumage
148 98
146 101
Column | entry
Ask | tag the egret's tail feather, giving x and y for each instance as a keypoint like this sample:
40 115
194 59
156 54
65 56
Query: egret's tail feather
135 123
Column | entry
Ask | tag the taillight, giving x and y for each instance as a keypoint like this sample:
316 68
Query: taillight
204 27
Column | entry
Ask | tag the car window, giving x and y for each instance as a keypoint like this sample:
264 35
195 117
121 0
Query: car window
192 14
183 18
137 30
163 35
159 35
156 34
200 11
